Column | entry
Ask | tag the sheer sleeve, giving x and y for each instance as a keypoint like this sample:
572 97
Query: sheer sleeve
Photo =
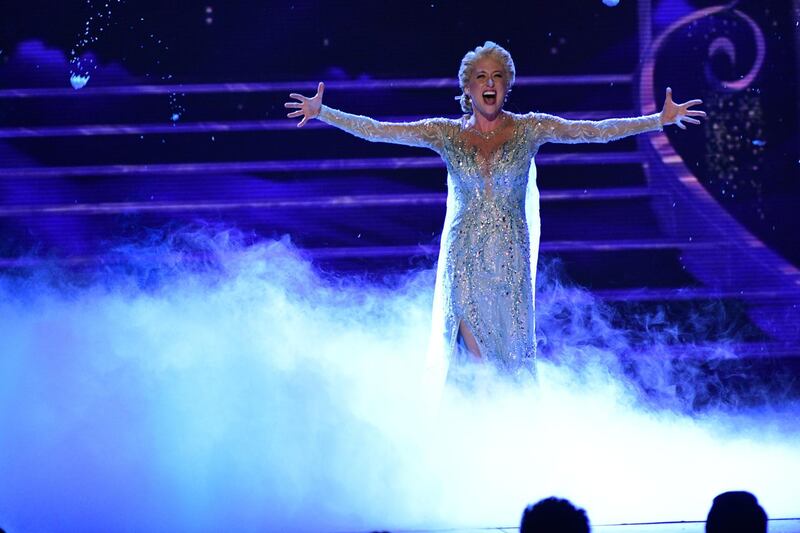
549 128
427 133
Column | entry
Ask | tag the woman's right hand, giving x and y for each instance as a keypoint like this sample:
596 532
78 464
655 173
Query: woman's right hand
307 107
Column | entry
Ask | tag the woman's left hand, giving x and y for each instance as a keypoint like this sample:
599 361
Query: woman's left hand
679 113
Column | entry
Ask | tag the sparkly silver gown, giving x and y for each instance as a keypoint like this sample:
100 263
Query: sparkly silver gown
490 241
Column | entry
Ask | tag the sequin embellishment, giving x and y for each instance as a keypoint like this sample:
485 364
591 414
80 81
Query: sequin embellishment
484 276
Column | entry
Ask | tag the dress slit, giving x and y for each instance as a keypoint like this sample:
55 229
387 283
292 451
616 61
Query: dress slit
471 331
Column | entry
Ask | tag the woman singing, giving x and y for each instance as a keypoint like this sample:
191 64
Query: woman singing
484 293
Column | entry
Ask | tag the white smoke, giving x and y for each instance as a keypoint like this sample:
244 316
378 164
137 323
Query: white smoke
198 384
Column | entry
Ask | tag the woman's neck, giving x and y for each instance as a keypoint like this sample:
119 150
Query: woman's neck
484 123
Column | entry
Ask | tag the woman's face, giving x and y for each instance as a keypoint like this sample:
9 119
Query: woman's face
487 86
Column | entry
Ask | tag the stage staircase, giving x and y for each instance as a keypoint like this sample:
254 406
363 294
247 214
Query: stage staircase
82 170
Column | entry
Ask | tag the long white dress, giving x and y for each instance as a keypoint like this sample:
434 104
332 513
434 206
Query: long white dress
489 246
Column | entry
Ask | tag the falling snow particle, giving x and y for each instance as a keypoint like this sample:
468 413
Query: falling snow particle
77 81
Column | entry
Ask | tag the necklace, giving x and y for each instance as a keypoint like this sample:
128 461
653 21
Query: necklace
486 135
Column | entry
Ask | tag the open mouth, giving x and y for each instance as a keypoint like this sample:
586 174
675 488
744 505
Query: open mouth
490 97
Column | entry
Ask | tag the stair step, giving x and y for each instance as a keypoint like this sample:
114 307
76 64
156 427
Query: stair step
215 101
151 188
601 219
594 267
622 245
546 247
321 142
431 250
381 219
296 165
304 201
696 293
767 349
224 126
299 86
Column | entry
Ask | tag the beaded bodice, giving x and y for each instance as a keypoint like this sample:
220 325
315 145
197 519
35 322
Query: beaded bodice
488 251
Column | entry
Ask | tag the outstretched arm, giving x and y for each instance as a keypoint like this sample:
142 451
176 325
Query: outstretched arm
673 113
426 133
550 128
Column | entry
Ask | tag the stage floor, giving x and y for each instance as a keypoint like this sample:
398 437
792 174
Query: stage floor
789 525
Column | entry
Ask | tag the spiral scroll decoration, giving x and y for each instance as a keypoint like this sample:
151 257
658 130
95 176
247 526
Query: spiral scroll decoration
720 45
723 45
728 165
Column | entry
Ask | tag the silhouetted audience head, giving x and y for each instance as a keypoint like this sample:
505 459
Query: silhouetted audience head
736 512
554 515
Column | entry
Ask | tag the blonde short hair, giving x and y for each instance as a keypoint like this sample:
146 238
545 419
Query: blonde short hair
489 49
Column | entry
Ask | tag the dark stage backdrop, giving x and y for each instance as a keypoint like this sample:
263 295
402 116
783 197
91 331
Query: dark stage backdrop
752 166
